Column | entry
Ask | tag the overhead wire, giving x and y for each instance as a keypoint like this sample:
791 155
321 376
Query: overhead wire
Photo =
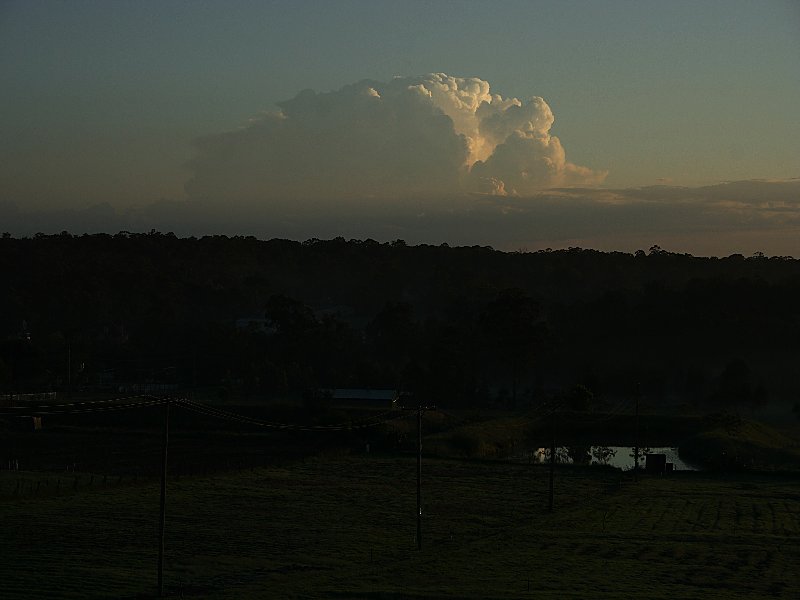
208 410
84 403
95 409
147 400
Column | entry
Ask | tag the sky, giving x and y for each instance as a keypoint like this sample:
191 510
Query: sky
615 125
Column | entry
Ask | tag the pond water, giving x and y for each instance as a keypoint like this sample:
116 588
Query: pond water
620 457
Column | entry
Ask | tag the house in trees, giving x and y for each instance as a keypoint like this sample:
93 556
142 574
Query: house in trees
364 398
656 463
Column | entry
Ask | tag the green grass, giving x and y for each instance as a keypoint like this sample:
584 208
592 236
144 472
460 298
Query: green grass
494 437
344 527
744 443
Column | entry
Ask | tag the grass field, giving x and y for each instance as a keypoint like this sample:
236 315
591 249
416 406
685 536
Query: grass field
344 527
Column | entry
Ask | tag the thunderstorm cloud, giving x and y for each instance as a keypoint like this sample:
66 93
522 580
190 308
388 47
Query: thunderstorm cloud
432 159
416 137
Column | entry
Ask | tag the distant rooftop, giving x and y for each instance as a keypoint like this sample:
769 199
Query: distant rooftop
363 394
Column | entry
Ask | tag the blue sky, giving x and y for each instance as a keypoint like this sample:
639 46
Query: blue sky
103 101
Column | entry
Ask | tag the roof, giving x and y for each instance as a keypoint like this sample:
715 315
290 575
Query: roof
363 394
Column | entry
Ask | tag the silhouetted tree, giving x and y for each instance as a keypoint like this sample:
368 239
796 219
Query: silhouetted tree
736 386
603 454
394 334
512 331
579 398
580 455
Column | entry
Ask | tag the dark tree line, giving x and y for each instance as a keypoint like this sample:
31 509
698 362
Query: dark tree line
467 325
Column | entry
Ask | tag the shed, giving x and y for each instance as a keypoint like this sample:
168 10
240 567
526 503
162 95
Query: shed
655 463
365 398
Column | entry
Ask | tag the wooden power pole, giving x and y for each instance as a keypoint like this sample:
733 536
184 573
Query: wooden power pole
163 512
419 477
636 440
552 464
420 410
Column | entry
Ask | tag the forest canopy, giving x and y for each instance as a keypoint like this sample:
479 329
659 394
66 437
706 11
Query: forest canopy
469 325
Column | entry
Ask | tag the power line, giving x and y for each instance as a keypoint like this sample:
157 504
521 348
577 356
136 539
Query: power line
83 403
212 411
146 400
87 410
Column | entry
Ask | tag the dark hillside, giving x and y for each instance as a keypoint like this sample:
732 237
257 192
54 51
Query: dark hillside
470 324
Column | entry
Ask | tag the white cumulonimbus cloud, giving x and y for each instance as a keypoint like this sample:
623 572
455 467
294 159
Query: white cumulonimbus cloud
409 137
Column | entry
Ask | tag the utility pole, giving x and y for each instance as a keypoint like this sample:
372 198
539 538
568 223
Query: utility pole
636 440
194 371
419 477
163 500
420 410
552 464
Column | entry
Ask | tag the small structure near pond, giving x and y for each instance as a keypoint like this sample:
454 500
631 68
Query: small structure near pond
656 463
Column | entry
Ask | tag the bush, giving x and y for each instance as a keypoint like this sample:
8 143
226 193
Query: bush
466 444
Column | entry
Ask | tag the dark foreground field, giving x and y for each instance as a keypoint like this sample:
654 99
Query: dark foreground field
344 527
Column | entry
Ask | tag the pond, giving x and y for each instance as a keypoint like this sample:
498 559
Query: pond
620 457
